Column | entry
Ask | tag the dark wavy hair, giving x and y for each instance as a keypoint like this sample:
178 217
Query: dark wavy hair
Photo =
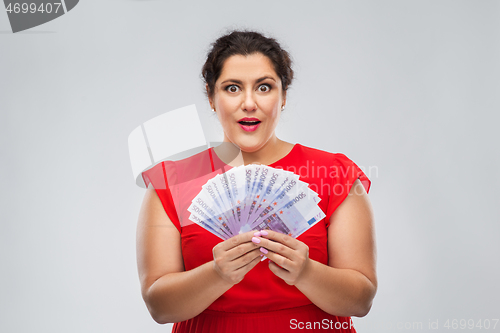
245 43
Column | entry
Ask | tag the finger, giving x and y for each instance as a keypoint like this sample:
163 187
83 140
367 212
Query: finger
237 240
246 260
276 247
235 271
278 271
242 271
278 259
281 238
240 250
228 266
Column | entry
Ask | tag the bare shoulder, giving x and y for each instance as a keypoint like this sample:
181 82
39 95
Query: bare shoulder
351 234
158 242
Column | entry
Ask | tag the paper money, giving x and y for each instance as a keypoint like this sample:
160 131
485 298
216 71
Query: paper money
256 197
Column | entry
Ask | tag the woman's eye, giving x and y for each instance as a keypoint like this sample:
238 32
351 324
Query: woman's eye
232 88
264 88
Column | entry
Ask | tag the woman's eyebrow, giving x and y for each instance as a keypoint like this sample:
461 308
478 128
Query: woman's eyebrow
264 78
241 83
232 80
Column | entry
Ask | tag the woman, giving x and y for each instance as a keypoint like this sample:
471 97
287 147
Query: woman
316 281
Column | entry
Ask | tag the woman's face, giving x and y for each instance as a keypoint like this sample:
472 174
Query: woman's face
248 87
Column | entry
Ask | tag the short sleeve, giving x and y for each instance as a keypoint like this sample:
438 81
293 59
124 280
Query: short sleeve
157 176
344 173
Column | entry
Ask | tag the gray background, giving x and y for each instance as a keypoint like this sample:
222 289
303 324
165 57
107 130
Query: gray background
409 89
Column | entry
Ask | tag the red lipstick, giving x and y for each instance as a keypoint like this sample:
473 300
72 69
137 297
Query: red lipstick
249 124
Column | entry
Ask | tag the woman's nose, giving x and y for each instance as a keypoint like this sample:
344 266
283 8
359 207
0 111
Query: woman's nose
249 103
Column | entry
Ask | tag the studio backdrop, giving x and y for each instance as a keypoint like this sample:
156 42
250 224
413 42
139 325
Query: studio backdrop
409 90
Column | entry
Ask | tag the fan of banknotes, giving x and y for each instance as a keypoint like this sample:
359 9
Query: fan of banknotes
255 197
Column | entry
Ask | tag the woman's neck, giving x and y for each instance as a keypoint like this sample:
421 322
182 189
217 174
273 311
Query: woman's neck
266 155
271 152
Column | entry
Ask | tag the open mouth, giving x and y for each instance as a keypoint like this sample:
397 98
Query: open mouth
249 123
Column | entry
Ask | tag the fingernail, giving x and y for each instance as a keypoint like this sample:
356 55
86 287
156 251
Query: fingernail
263 250
256 234
255 240
263 233
261 255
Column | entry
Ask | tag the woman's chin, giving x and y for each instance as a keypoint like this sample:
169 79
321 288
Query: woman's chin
250 143
249 147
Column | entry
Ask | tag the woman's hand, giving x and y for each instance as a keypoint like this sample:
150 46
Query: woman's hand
235 257
289 256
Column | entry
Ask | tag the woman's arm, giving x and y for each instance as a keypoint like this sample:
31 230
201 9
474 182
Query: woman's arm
347 286
170 293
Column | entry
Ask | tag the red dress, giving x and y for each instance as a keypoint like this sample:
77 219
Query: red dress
261 302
